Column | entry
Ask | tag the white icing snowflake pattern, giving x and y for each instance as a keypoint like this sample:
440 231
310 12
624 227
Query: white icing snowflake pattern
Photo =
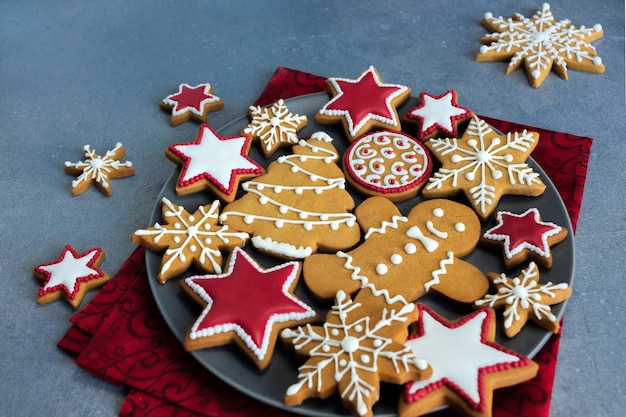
541 44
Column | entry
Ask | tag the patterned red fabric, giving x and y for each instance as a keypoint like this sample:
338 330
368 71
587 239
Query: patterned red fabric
121 337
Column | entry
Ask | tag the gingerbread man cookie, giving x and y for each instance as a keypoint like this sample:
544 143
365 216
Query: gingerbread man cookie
403 257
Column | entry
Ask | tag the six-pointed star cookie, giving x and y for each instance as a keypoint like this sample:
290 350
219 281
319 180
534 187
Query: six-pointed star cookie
213 162
467 365
524 236
363 104
247 305
438 115
541 44
524 297
99 170
191 103
484 165
71 275
189 239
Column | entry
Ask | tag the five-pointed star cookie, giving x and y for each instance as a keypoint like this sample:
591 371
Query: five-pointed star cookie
524 236
246 305
70 276
363 104
484 165
467 365
438 115
193 103
524 298
541 44
213 162
189 239
99 170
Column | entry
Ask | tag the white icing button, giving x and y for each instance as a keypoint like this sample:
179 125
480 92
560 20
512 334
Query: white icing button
381 269
438 212
410 248
459 227
350 344
396 259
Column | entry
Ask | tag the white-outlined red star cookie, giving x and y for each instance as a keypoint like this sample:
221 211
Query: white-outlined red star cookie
191 103
70 276
438 115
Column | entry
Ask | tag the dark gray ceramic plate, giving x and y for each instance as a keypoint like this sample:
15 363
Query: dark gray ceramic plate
269 386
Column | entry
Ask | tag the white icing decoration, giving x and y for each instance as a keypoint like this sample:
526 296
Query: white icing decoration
429 244
274 125
98 168
69 270
280 248
438 111
438 272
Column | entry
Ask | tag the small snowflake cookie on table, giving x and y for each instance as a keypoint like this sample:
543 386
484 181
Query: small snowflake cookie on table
70 276
523 236
274 126
523 298
99 170
363 104
213 162
352 352
191 103
246 305
468 365
437 116
189 239
484 165
541 44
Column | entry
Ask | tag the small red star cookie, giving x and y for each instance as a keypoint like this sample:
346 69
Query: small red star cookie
524 298
438 115
70 276
99 170
363 104
524 237
468 365
213 162
246 305
191 103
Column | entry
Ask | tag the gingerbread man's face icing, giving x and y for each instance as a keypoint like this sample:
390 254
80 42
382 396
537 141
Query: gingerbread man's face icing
405 256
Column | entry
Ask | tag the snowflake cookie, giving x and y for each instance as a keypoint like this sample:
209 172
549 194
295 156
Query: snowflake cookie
274 126
99 170
246 305
541 44
193 103
188 239
524 298
468 365
352 353
484 165
71 275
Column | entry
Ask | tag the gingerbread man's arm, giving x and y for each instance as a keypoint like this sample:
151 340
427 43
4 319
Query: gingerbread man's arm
375 213
458 280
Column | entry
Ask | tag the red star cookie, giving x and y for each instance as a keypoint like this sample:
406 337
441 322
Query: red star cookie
213 162
70 276
363 104
438 115
523 237
191 103
247 305
467 365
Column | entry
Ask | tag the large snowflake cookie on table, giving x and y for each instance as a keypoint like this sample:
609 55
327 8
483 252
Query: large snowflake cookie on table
363 104
541 44
467 365
484 165
189 239
299 205
247 305
191 103
352 353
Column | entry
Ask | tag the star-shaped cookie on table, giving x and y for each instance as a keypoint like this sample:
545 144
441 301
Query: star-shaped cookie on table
70 276
523 298
524 236
99 170
191 103
213 162
247 305
484 165
363 104
437 116
467 365
189 239
541 44
274 126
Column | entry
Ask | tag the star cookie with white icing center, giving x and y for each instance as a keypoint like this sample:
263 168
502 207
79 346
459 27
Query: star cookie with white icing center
438 116
191 103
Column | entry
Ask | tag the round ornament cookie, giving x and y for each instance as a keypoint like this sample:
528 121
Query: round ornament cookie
387 164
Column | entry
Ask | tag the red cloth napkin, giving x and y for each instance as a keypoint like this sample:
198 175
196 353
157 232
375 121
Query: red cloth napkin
121 337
